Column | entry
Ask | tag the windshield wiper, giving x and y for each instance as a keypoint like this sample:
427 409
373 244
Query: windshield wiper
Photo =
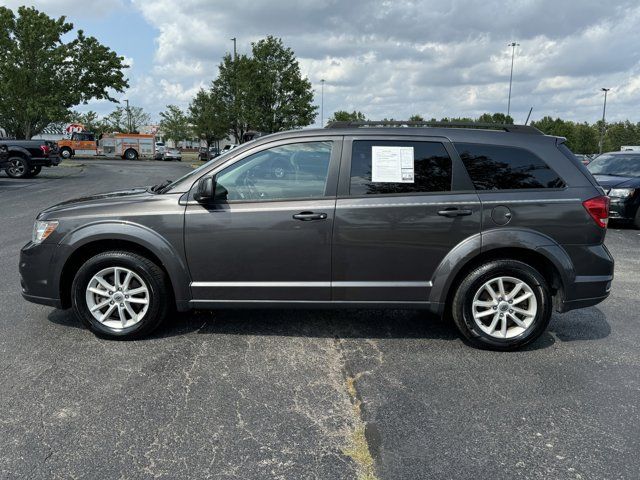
160 186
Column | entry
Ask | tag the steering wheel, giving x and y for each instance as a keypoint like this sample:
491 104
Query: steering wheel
246 188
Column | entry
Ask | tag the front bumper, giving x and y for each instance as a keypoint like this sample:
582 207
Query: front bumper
36 274
623 208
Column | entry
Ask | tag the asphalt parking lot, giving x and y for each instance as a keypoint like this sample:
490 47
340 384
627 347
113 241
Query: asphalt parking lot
305 394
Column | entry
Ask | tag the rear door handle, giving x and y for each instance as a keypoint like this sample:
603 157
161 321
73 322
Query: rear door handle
454 212
307 216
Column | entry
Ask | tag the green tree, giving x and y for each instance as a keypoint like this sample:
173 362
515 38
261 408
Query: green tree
416 118
233 89
175 124
45 71
495 118
586 138
620 133
118 120
280 98
208 116
344 116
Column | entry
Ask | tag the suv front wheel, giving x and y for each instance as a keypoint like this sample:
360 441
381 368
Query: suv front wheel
502 305
120 294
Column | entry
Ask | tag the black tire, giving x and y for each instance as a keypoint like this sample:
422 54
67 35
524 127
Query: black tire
35 170
131 154
462 307
156 282
66 153
18 167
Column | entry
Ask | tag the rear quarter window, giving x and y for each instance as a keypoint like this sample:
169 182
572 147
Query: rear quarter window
493 167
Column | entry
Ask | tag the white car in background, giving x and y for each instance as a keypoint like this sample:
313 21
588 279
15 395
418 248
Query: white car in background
172 154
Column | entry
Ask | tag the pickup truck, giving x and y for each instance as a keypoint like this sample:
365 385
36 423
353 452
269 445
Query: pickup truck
25 158
4 157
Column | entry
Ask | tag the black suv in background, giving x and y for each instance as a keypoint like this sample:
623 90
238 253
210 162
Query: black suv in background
25 158
619 175
495 227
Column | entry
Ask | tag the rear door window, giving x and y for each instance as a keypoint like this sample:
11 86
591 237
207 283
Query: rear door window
493 167
381 167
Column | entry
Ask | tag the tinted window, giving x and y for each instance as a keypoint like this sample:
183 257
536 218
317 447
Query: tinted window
431 168
624 165
494 167
297 170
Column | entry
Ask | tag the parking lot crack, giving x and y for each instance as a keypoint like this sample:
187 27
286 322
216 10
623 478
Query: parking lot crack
358 448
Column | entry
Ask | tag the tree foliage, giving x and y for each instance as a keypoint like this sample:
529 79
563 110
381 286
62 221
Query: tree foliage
175 124
345 116
208 116
280 98
233 88
264 91
118 120
42 75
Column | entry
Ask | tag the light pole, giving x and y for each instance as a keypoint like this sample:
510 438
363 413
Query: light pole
128 117
234 48
513 46
322 103
604 110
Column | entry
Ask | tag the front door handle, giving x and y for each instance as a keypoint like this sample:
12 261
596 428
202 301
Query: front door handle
307 216
454 212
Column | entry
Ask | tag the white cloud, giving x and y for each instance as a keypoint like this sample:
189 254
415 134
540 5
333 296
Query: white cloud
395 58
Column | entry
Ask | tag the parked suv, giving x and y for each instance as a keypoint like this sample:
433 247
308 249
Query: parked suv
493 227
619 175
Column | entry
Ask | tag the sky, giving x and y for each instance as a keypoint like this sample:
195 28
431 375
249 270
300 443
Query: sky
386 58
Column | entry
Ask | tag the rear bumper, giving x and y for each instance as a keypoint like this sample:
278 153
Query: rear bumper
594 276
50 161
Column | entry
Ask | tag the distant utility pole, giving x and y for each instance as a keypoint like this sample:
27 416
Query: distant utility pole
235 54
604 110
128 117
513 46
322 103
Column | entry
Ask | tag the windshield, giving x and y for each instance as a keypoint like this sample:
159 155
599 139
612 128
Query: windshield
625 165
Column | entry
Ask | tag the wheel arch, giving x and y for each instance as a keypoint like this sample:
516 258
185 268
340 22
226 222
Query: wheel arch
84 243
533 248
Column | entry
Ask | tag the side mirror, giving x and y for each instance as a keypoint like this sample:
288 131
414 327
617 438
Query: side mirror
204 190
208 190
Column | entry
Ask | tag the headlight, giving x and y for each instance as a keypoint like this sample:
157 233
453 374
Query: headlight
621 192
42 229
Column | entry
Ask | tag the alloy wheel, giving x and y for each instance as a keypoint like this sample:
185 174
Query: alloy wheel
16 168
117 297
504 307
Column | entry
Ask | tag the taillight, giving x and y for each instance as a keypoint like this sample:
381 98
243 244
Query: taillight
45 150
598 208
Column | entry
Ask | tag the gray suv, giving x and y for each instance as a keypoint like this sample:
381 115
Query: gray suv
494 227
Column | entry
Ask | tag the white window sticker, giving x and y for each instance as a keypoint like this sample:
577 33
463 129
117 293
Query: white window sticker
392 164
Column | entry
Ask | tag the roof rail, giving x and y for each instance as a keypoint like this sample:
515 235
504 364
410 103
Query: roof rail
401 123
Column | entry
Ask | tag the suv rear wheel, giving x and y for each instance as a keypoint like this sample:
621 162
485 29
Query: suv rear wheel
120 294
502 305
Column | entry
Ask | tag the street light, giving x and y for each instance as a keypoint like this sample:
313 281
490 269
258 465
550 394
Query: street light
128 117
604 110
513 46
322 103
234 48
